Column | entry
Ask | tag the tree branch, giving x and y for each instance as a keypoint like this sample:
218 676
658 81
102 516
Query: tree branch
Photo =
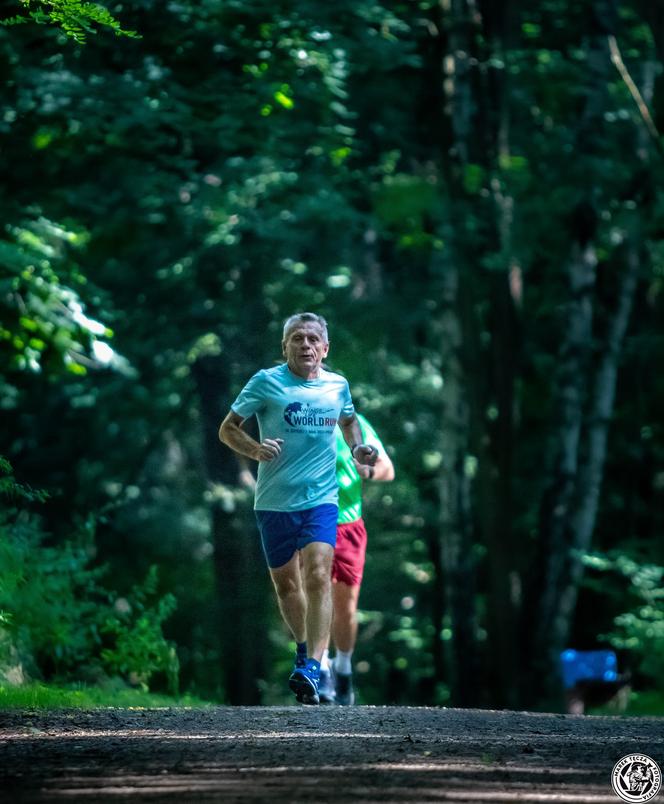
641 105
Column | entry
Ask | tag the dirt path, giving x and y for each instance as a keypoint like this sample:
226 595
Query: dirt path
288 754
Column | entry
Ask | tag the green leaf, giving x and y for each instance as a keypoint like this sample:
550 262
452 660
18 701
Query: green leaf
284 100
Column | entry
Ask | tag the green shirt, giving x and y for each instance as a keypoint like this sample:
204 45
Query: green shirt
349 481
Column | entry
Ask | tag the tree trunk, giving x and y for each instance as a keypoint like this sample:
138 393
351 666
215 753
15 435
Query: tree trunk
479 133
549 629
458 561
451 71
591 469
244 594
498 433
438 605
502 552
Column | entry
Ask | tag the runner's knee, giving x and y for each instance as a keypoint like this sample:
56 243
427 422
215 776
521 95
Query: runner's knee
318 577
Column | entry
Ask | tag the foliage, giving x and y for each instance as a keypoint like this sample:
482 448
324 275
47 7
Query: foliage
639 631
139 648
46 593
76 18
58 619
44 324
11 490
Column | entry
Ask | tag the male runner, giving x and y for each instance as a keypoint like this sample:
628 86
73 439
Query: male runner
336 682
298 405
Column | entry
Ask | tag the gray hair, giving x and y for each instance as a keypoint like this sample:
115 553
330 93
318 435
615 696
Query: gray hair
304 318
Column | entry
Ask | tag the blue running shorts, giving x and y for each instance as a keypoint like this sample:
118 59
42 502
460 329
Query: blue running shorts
282 532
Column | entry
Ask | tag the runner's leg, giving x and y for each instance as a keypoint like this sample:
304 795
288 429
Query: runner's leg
344 624
287 582
317 564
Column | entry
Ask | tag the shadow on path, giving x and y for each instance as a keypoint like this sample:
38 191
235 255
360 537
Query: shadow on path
381 754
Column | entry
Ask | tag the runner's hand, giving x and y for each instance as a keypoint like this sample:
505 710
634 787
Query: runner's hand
363 470
269 449
365 454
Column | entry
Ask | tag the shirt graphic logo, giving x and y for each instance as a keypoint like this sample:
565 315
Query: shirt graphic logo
301 414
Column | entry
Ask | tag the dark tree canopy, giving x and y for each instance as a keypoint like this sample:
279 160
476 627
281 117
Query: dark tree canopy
470 193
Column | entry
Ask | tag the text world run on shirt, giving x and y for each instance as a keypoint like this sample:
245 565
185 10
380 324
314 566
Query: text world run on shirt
299 414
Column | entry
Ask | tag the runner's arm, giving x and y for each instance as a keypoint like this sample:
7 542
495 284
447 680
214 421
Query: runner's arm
363 453
232 434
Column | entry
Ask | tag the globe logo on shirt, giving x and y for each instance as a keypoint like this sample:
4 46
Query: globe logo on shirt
301 414
294 407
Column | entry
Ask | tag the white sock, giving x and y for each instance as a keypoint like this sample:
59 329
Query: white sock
342 662
325 660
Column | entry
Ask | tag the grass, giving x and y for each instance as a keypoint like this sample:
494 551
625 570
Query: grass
47 696
640 704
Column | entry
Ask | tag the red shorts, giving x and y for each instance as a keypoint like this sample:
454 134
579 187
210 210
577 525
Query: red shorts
348 564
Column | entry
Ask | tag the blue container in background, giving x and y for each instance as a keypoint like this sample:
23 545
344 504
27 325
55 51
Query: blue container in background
588 665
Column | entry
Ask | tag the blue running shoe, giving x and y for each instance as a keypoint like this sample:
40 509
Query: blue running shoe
300 663
326 691
304 682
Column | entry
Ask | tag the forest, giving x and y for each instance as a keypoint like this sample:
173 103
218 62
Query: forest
471 194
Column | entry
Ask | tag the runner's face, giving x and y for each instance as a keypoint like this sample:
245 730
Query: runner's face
305 349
